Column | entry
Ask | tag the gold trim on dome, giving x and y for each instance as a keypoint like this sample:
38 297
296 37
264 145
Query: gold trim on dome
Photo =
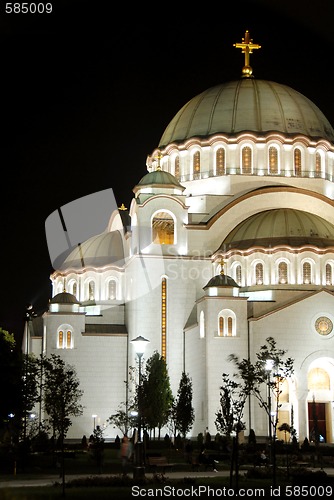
323 325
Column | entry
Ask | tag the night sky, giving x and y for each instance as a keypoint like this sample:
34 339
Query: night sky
87 91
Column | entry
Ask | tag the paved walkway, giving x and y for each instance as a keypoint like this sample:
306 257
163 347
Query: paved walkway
51 479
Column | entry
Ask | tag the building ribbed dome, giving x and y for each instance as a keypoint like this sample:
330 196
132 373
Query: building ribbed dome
159 178
64 298
101 250
250 105
281 226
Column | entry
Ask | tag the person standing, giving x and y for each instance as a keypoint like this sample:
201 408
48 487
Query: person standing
125 454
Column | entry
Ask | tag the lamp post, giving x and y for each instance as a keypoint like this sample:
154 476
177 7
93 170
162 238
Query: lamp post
139 469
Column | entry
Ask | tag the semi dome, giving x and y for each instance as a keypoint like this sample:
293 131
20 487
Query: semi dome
64 298
281 226
248 105
98 251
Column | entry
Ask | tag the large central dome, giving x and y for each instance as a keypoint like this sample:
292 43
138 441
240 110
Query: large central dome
248 105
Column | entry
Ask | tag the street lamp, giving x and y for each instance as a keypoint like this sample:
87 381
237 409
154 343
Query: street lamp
139 469
269 366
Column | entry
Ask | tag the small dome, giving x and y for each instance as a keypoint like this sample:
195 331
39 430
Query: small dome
160 178
282 226
64 298
98 251
221 280
248 105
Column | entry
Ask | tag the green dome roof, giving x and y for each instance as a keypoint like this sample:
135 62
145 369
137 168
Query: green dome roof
64 298
160 178
250 105
282 226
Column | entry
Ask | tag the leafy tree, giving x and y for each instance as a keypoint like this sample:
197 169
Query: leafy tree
183 409
61 396
157 398
254 376
124 418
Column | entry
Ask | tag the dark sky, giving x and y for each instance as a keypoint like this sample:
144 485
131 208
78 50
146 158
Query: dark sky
87 91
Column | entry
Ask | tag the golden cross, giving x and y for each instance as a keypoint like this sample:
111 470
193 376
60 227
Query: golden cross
247 46
158 157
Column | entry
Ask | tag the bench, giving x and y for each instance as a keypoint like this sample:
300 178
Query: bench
159 463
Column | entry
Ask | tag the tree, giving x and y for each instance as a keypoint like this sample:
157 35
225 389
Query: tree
61 396
124 418
183 409
156 394
257 374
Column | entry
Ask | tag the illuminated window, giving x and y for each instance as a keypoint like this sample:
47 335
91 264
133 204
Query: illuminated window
282 273
164 317
74 289
91 290
298 161
177 167
318 165
328 274
112 289
220 161
238 277
196 165
259 273
64 340
318 378
226 323
246 160
307 273
163 229
273 160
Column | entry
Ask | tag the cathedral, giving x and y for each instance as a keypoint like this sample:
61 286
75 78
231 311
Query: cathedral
228 240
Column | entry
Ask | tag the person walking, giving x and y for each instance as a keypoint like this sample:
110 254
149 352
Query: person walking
125 448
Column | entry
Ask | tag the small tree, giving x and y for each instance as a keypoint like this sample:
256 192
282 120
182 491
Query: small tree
61 398
156 397
183 409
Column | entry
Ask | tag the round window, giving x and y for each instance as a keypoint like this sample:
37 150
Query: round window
323 325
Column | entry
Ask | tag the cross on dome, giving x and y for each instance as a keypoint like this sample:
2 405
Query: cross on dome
247 46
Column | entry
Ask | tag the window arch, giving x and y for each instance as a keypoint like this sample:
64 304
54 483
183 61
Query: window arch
163 228
298 161
91 290
112 289
246 160
238 274
329 274
65 337
201 325
259 273
220 161
196 164
307 273
317 164
226 323
273 160
282 273
177 166
318 378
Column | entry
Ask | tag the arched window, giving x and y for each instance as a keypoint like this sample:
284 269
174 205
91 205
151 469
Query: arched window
259 273
317 164
307 276
246 160
164 317
298 161
91 290
163 229
317 379
112 289
273 160
226 323
220 161
64 338
201 325
177 167
238 276
196 165
328 274
74 289
282 273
